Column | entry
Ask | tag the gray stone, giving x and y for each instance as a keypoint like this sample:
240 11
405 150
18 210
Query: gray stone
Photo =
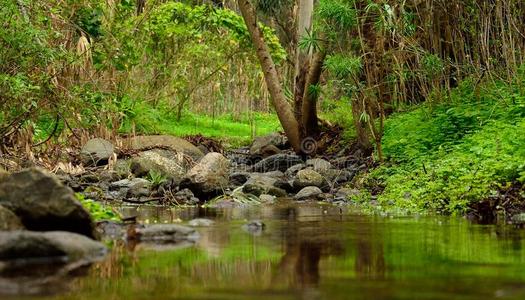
209 176
255 227
278 162
186 196
201 223
308 177
308 193
319 165
338 176
166 233
8 220
239 178
261 184
265 198
346 193
43 203
274 139
136 187
122 168
179 145
31 244
292 171
163 162
96 152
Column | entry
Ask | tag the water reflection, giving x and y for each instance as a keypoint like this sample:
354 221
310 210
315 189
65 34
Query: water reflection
315 252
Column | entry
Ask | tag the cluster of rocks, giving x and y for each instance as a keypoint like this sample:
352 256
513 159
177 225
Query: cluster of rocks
40 217
168 169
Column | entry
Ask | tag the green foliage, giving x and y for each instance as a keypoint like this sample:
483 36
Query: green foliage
343 66
339 14
97 211
450 156
156 178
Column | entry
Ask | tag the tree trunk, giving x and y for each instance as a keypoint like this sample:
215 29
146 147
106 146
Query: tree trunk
282 107
302 57
309 105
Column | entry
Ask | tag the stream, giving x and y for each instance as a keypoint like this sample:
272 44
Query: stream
308 251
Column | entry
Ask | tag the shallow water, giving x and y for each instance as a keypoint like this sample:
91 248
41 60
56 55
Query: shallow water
313 252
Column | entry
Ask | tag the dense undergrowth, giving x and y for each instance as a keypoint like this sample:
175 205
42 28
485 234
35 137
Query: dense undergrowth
448 156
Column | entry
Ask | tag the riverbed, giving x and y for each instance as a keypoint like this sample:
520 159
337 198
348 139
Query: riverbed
309 251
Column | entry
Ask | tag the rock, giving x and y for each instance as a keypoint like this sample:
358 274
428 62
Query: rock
239 178
136 187
43 203
177 144
292 171
278 162
201 223
254 227
518 219
185 196
318 164
8 220
166 233
209 176
308 193
96 152
122 168
269 150
346 193
261 184
338 176
265 198
3 174
163 162
308 177
274 174
31 244
274 139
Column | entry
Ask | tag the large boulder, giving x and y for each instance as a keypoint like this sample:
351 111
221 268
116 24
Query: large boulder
43 203
272 141
29 244
96 152
210 176
308 177
259 184
163 162
278 162
8 220
175 143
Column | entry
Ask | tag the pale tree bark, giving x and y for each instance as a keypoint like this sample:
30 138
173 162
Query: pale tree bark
282 107
303 56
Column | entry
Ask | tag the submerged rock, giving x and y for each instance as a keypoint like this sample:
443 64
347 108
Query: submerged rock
255 227
201 223
30 245
309 193
8 220
43 203
210 176
96 152
166 233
